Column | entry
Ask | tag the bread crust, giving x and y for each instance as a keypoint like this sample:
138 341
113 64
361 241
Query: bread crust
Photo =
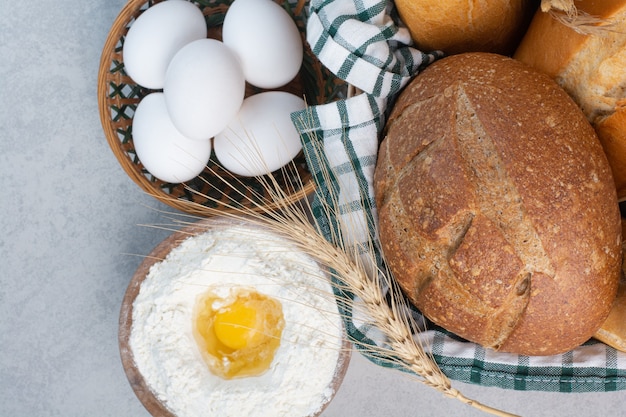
456 26
548 45
612 133
613 330
590 67
497 213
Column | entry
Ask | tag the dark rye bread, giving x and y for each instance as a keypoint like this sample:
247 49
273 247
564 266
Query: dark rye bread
497 210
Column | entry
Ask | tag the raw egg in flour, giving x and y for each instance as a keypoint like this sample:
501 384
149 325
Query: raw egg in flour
239 333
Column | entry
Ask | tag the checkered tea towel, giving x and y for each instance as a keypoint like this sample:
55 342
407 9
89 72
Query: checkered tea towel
362 42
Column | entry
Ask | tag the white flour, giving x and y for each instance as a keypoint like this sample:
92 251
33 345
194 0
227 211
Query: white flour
166 353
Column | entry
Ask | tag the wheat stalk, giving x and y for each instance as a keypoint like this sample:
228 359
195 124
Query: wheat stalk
566 12
353 269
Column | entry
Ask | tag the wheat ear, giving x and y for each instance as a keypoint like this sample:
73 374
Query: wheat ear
566 12
350 267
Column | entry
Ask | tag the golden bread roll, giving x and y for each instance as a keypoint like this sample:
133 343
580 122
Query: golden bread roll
612 133
613 330
589 64
455 26
496 206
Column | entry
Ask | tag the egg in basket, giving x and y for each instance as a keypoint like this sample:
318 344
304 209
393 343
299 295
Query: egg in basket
188 143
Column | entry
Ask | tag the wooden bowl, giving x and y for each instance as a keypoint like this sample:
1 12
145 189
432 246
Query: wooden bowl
138 383
118 96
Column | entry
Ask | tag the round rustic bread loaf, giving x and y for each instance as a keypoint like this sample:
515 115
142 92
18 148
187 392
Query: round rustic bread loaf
497 211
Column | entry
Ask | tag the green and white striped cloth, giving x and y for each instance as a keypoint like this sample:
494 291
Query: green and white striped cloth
362 42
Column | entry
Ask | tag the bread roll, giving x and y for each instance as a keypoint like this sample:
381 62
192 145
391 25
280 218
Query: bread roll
497 211
590 66
613 330
456 26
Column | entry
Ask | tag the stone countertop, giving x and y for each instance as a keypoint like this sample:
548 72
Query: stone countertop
73 233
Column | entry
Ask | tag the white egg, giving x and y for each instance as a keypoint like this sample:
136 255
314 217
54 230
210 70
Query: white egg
204 88
262 138
266 39
156 35
162 149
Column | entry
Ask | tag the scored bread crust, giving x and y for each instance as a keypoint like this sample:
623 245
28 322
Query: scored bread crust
590 67
497 212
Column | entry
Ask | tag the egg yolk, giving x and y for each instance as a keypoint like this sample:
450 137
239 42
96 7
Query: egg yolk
238 335
238 326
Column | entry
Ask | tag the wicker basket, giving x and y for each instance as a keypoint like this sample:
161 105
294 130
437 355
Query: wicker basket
118 96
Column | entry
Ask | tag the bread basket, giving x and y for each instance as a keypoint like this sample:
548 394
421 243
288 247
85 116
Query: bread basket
118 96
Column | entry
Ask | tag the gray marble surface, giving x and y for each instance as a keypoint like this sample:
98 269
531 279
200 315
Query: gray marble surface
72 236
